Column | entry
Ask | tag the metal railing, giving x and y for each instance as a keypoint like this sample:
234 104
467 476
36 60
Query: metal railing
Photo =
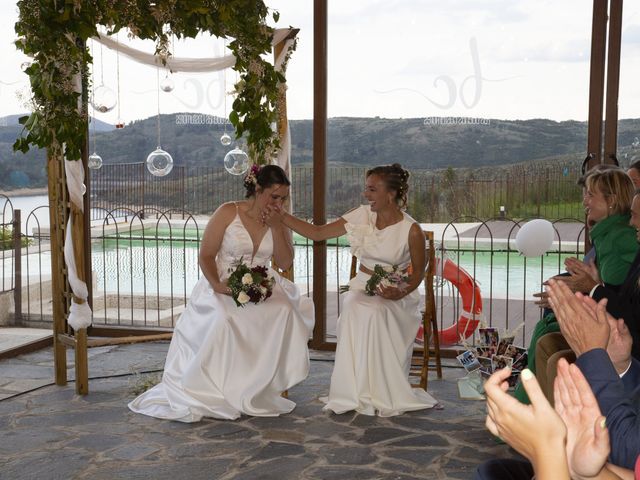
434 196
145 264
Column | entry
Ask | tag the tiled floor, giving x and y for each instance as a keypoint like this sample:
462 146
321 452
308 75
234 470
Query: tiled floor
51 433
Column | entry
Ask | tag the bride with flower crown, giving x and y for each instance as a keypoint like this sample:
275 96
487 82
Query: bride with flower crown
227 360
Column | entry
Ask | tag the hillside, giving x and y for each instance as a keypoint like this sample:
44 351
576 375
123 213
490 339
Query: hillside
360 141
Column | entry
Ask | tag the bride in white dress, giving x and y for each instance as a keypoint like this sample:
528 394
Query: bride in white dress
224 360
376 333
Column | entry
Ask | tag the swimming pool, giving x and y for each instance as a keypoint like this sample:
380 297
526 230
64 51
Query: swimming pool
171 266
144 265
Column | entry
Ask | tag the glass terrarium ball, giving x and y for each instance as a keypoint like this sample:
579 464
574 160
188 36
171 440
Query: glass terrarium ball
167 85
159 163
95 161
225 139
104 99
236 162
83 188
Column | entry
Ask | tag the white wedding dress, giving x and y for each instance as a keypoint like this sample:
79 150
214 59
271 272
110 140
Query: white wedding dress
225 360
375 335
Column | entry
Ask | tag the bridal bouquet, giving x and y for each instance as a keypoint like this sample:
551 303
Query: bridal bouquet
386 277
250 284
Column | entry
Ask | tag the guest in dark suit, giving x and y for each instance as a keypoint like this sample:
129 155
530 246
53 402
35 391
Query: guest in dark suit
603 347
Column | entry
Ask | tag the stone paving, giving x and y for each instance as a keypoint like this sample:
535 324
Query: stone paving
51 433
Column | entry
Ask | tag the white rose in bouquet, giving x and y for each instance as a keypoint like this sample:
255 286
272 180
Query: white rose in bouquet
247 279
243 298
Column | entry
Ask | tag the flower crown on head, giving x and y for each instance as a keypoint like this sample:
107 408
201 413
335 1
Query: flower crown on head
251 178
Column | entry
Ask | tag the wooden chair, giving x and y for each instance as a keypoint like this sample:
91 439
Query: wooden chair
431 345
422 353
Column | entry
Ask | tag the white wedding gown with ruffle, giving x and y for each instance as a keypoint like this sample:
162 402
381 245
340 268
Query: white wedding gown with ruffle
375 335
224 360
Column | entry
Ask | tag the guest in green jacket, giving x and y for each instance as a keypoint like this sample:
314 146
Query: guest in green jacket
607 201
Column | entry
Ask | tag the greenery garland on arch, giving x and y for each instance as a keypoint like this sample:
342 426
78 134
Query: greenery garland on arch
55 32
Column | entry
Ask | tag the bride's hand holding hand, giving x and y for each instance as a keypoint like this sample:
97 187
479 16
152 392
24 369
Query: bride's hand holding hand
391 293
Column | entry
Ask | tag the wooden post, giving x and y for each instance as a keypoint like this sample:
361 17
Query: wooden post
17 264
57 217
320 168
596 82
283 125
613 82
81 355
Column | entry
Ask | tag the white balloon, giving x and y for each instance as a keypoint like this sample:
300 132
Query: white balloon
535 237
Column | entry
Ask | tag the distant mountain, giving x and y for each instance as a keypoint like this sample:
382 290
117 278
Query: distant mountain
435 143
12 121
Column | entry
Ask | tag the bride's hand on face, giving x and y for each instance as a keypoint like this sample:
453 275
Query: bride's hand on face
272 215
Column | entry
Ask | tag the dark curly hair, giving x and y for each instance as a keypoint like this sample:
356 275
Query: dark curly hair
265 176
395 179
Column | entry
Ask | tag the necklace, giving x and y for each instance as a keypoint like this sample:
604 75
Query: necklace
256 219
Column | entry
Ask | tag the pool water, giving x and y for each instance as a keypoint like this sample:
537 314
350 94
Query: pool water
170 267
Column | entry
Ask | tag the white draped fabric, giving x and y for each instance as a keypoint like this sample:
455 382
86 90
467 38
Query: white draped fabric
179 64
224 360
80 313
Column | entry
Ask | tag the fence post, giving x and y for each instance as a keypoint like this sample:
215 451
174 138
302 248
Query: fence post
184 202
17 263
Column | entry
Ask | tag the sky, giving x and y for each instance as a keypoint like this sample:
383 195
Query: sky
501 59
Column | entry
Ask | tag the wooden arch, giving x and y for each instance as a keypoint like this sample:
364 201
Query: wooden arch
71 23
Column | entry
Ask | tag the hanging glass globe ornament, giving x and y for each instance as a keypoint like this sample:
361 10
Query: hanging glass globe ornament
104 99
83 189
225 139
159 162
236 162
95 161
167 84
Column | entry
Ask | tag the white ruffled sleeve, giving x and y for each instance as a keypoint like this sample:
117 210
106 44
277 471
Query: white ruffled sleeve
360 229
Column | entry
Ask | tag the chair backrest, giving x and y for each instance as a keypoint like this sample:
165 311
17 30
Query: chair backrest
429 274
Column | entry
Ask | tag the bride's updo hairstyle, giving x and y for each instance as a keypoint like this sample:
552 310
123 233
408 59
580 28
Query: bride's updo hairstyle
264 176
395 179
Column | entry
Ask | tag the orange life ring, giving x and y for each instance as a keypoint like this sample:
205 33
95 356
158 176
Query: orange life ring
471 304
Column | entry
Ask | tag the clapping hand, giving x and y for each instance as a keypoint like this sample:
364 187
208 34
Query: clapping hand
587 438
536 430
584 276
543 299
620 343
583 322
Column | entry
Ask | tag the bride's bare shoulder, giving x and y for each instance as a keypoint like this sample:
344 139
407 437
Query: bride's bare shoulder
224 214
